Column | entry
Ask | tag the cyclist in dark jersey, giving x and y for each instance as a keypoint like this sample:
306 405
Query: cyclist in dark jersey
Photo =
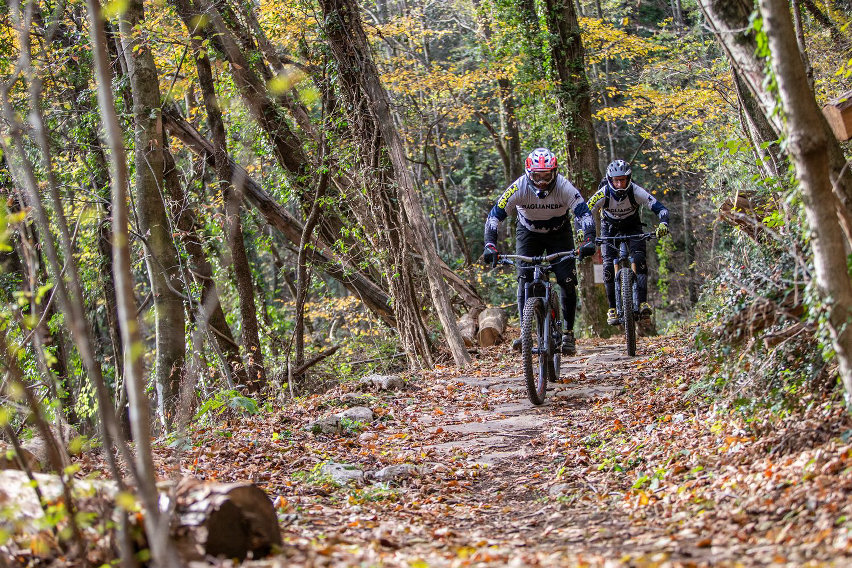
619 200
543 201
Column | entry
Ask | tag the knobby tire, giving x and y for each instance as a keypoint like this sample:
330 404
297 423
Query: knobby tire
536 365
629 314
556 335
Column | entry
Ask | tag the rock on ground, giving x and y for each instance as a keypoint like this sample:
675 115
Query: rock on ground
342 473
383 382
357 413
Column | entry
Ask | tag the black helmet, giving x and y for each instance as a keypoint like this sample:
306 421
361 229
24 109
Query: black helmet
618 168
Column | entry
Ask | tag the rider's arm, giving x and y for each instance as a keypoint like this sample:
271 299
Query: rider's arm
597 200
499 212
584 219
643 196
578 206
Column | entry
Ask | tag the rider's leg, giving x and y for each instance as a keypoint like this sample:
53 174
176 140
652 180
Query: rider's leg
610 253
527 243
566 276
638 251
568 286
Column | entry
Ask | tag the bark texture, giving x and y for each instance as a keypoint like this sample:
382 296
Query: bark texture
231 190
161 255
575 110
372 120
142 466
808 147
729 20
209 313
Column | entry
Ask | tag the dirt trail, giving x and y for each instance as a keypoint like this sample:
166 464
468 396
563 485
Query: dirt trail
618 467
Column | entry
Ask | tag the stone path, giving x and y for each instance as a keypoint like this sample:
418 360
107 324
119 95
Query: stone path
501 432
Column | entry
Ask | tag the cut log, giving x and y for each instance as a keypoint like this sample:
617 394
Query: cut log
838 113
231 520
468 325
492 325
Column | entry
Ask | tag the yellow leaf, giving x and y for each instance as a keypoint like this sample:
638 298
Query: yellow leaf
126 501
115 8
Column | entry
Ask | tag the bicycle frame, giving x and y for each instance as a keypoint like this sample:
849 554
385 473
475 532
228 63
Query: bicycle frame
627 308
624 261
541 273
540 312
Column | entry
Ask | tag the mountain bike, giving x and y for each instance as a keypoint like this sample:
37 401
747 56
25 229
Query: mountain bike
541 322
626 291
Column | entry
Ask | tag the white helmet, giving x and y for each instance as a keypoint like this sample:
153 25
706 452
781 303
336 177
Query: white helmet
541 170
619 168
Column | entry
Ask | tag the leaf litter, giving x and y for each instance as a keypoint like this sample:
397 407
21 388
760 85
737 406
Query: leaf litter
622 466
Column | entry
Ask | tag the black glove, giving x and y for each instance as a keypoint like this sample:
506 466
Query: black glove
489 256
588 247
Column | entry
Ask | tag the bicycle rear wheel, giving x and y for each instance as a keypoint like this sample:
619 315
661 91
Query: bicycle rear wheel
628 307
533 347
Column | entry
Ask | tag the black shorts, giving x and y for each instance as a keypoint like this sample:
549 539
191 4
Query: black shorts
529 243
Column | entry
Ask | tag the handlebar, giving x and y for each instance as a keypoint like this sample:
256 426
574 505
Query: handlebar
622 238
534 260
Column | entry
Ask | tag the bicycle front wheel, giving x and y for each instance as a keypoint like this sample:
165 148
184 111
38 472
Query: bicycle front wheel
626 281
534 349
556 339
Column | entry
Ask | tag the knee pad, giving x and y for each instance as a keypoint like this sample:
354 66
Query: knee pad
609 273
641 265
569 281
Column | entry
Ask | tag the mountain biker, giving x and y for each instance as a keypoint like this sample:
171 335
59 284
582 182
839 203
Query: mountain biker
619 200
543 200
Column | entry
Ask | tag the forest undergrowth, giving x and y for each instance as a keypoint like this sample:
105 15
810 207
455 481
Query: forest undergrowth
631 462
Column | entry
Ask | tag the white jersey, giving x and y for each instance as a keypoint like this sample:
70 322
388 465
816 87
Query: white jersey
542 215
619 210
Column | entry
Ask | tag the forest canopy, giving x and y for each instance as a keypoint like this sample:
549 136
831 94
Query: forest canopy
240 203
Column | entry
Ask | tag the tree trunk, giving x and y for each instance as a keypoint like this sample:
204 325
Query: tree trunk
441 184
349 47
232 197
156 525
808 147
64 272
760 131
373 296
209 308
730 21
302 267
575 110
509 141
161 258
800 40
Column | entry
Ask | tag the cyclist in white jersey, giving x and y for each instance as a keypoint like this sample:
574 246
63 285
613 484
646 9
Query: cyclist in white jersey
543 201
619 200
